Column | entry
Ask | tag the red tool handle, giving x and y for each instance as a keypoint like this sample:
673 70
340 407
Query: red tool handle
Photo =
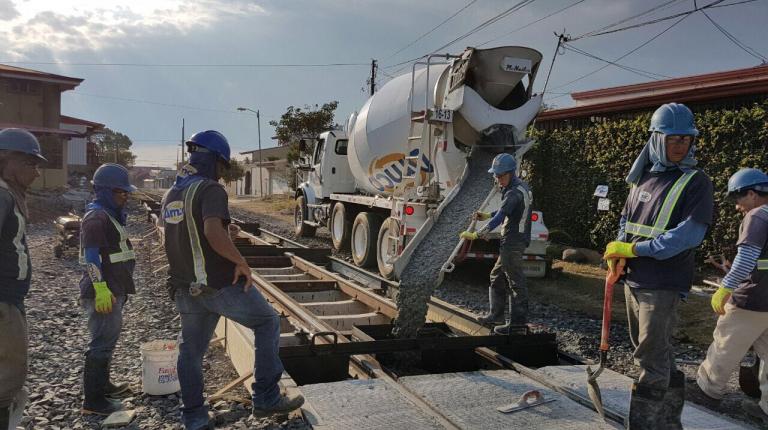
610 279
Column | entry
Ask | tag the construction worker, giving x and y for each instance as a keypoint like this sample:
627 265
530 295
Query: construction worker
109 260
19 160
507 277
665 217
742 299
208 277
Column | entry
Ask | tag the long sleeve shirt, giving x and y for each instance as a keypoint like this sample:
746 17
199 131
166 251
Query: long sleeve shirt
686 235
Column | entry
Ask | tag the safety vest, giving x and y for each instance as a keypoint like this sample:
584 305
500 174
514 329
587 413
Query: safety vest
763 264
659 227
198 257
125 253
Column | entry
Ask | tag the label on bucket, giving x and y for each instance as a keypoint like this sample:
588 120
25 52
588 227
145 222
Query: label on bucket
166 375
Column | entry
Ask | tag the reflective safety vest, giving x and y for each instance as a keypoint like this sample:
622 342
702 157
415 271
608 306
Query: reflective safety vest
125 253
659 227
198 257
763 264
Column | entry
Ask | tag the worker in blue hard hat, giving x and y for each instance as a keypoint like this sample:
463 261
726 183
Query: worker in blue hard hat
507 277
209 278
109 260
665 217
19 160
742 299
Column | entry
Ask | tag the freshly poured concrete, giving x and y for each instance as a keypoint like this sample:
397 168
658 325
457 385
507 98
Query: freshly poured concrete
467 399
615 389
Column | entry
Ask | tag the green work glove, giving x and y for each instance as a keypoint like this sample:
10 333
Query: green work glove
468 235
482 216
618 249
104 297
720 298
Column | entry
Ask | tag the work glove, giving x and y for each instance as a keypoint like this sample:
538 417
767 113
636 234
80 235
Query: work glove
615 268
104 298
482 216
468 235
618 249
720 298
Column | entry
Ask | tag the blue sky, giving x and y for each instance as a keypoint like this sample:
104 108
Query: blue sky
229 33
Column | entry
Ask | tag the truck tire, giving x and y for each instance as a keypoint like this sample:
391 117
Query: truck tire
340 226
385 248
365 233
300 215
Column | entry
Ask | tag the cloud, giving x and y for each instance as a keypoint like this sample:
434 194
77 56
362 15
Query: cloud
8 10
97 27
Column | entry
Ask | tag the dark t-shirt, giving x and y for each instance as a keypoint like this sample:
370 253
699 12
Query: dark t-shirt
97 231
752 293
516 206
210 201
15 267
643 206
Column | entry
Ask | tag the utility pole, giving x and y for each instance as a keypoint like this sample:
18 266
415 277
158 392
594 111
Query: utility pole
261 182
373 77
182 141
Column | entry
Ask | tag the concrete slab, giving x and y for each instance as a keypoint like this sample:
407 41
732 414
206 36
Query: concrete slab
470 399
361 404
615 389
119 419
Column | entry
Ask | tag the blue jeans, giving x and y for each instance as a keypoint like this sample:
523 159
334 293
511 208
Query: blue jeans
104 328
199 316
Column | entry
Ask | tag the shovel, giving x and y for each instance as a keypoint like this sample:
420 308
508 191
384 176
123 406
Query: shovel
592 388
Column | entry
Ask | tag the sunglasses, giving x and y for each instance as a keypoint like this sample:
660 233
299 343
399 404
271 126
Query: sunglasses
119 191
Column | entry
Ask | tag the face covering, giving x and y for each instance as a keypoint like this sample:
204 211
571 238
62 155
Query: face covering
202 165
654 154
105 200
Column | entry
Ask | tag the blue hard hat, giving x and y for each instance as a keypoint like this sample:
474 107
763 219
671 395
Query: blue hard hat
20 140
673 118
748 179
110 175
212 141
502 164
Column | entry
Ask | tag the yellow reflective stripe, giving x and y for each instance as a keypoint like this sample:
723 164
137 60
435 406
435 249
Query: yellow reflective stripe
662 220
198 259
762 264
665 214
20 248
125 253
527 199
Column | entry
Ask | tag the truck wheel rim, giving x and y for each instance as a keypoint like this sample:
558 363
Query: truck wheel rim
297 217
360 241
338 227
386 248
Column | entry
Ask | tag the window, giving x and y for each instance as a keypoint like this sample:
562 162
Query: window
319 150
341 146
19 86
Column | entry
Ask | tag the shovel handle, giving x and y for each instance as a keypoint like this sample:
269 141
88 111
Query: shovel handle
610 280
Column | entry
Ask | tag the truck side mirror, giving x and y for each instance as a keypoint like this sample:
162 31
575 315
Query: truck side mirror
302 145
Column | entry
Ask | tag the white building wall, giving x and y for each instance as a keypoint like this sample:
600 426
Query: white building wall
77 149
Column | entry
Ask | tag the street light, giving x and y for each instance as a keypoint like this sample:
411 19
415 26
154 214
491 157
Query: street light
258 122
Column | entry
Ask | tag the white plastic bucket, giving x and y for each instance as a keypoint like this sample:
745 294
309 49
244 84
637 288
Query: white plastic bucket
158 375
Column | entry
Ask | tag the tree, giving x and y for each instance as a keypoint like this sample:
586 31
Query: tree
234 172
297 123
114 147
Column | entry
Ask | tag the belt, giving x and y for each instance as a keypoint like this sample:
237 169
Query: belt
196 289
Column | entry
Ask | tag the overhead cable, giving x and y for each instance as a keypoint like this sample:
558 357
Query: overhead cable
532 22
737 42
153 103
431 30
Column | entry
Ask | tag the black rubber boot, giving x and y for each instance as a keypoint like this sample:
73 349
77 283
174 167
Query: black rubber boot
674 400
114 389
95 377
496 299
645 408
517 323
5 417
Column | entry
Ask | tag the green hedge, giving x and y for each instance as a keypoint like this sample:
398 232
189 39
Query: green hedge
567 164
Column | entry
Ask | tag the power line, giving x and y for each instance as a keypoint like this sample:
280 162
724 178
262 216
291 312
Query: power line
180 65
625 55
532 23
153 103
432 30
736 41
641 72
622 21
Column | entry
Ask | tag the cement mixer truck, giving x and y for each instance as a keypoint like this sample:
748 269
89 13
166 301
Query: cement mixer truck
379 185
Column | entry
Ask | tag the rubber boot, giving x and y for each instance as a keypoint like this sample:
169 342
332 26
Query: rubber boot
5 418
111 389
645 407
285 404
95 376
515 325
674 400
496 298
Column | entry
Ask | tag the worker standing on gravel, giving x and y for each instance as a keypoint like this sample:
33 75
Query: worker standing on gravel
507 277
208 278
109 260
19 159
742 299
665 217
